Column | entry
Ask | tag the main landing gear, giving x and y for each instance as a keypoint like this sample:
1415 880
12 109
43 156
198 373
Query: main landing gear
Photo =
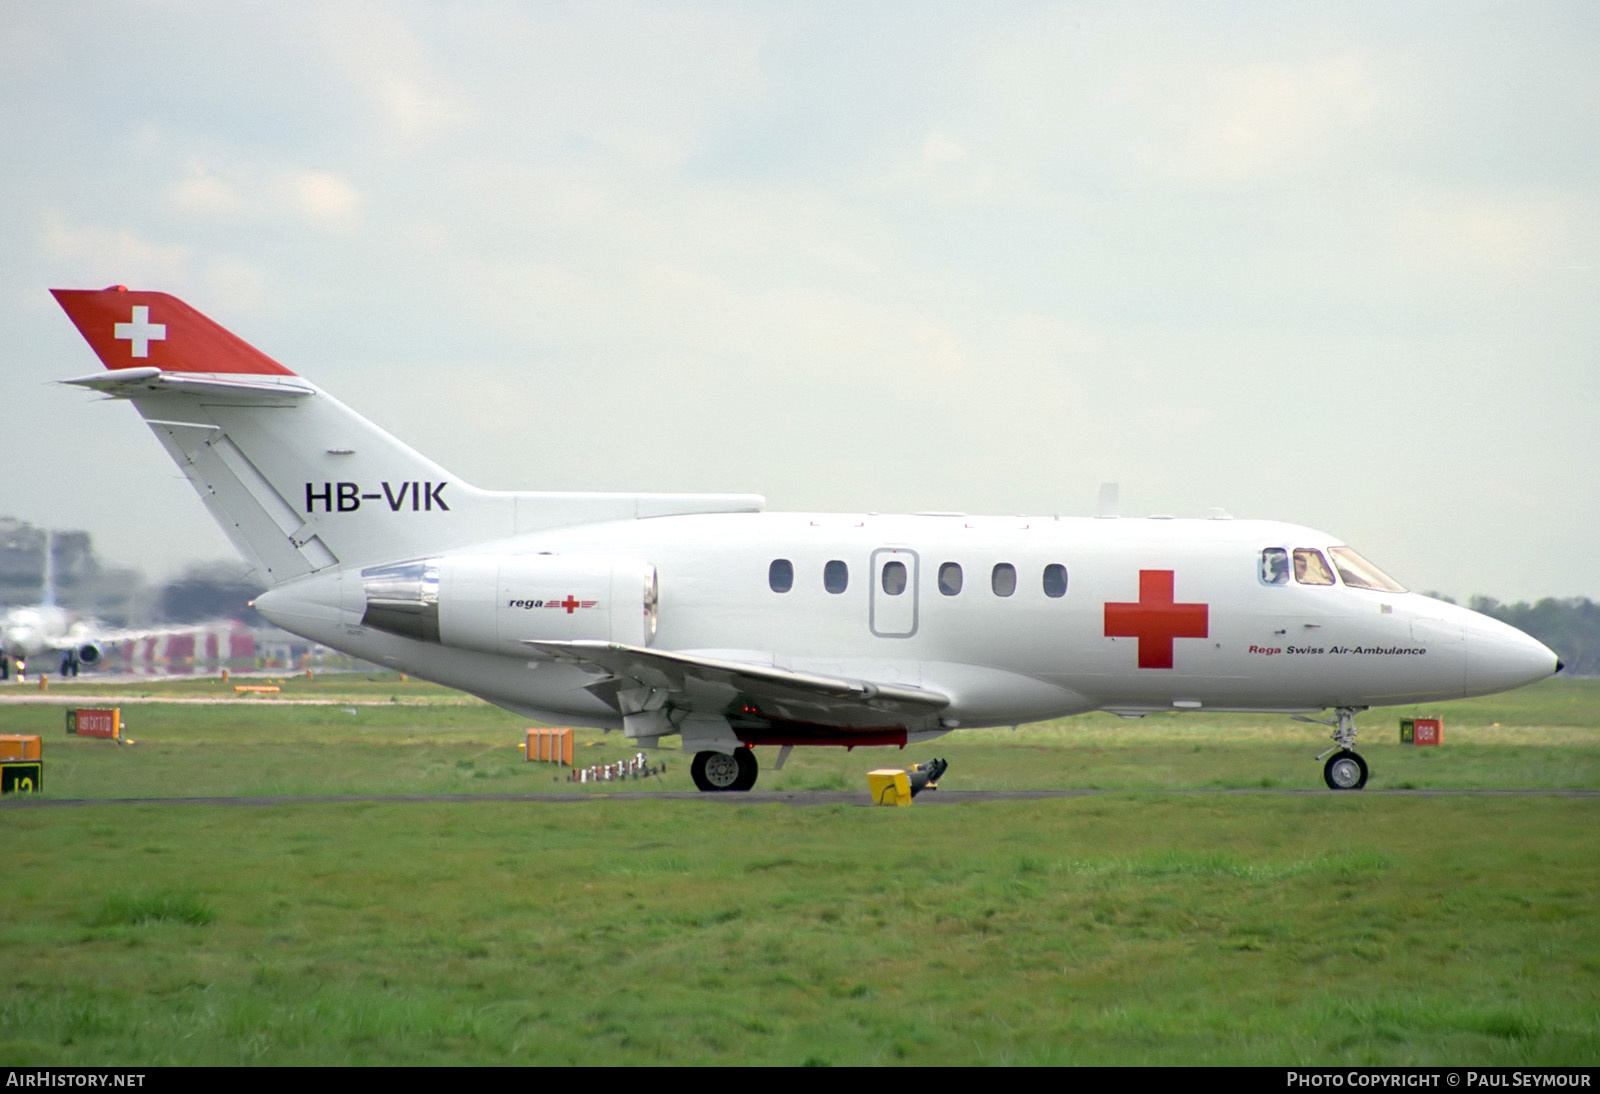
722 771
1345 769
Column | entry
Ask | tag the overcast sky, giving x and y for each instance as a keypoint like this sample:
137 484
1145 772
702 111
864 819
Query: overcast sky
1334 264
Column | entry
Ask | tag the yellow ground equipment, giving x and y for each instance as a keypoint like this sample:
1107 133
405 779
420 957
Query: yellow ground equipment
889 786
892 786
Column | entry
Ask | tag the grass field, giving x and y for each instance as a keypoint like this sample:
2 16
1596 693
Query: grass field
1151 924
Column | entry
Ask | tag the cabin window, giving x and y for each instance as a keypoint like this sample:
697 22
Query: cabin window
950 578
894 578
780 575
835 576
1310 568
1004 579
1274 566
1358 573
1055 580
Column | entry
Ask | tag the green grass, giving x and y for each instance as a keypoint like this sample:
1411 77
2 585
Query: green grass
326 687
1139 926
429 740
1335 930
133 909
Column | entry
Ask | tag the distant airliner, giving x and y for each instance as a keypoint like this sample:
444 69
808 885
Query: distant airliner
35 630
701 616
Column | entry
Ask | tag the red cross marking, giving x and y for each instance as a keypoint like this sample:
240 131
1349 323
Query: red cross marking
570 604
1155 620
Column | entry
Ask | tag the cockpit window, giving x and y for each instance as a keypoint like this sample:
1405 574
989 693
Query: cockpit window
1274 566
1310 568
1358 573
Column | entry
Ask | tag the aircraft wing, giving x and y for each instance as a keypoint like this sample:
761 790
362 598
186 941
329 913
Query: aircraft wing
714 686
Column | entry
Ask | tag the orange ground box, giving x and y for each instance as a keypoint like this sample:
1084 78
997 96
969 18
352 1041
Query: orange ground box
20 746
550 745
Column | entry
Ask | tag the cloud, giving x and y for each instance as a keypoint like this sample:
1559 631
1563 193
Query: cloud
1483 236
1053 99
1218 124
321 197
381 55
91 256
238 190
948 169
203 193
118 254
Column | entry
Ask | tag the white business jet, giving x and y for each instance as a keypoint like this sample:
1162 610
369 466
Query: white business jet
701 616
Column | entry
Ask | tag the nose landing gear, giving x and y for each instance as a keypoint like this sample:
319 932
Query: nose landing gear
1345 769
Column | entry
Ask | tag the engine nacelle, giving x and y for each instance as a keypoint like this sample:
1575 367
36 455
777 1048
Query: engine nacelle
494 603
90 653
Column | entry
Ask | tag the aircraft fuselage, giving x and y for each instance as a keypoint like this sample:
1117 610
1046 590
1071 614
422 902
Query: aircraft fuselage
1136 615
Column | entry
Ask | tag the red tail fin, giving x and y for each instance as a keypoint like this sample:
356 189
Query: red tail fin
139 329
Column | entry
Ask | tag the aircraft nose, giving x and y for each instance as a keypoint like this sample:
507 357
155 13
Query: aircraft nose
1500 657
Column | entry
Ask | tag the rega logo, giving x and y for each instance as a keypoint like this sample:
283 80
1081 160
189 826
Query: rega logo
571 603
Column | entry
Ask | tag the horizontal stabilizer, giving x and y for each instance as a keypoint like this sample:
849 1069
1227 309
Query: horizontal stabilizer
130 383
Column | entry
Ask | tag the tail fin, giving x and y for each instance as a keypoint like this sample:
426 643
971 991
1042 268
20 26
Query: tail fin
49 598
121 327
297 480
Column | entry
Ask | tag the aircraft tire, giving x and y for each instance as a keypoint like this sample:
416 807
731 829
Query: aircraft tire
748 769
718 771
1345 770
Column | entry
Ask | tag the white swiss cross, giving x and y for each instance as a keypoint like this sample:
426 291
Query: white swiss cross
141 332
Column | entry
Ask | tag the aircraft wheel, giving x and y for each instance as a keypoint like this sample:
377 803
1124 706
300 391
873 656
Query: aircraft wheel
1345 771
720 771
748 768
